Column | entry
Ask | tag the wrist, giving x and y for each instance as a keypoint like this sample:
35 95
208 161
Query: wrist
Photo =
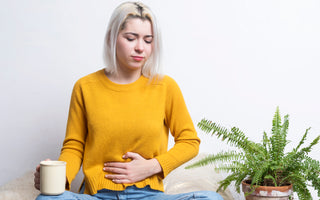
156 167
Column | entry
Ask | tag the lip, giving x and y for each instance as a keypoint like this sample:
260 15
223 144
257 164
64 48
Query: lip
138 58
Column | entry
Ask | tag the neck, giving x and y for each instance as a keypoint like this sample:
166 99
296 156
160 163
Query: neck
124 78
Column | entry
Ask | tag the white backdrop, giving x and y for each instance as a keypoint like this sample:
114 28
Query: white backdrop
235 61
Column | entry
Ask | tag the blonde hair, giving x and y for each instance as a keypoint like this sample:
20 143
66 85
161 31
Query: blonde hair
120 16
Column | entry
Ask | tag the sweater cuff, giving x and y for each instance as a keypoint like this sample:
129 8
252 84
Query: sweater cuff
72 168
167 164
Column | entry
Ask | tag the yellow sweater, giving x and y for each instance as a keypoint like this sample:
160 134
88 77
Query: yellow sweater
106 120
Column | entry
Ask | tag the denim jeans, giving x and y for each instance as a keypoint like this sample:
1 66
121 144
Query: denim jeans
134 193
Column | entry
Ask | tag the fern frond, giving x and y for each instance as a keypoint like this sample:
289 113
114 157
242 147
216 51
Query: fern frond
272 178
276 135
234 167
219 157
266 142
291 177
227 181
238 138
304 137
205 125
300 187
307 149
258 176
313 173
242 175
283 135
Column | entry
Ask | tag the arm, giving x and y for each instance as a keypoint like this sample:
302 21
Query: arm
182 129
73 145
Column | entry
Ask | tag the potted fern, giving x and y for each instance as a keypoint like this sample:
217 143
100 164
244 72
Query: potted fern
259 167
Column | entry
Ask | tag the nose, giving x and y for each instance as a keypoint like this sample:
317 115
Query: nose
139 48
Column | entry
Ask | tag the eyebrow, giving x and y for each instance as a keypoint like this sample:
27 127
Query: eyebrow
136 34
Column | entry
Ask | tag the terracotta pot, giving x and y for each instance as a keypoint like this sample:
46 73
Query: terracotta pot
268 192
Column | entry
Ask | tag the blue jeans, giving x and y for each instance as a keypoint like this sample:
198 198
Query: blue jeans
134 193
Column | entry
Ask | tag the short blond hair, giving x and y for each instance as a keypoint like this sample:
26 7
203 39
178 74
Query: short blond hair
120 16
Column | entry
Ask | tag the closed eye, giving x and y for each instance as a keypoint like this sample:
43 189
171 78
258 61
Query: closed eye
132 36
130 39
148 39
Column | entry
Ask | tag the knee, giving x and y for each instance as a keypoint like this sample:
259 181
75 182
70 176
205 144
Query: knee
214 195
42 197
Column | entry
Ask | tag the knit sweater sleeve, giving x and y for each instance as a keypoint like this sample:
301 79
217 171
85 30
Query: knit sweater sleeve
73 145
182 129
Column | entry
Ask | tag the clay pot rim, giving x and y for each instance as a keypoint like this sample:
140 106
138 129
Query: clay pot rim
284 187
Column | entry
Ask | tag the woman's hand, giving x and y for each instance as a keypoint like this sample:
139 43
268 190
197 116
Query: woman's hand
37 177
130 172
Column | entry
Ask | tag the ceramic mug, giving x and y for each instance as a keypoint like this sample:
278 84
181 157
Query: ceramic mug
52 177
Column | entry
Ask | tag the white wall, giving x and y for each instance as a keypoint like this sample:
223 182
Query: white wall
235 61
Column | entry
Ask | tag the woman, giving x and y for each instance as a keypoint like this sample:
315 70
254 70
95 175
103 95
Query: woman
120 116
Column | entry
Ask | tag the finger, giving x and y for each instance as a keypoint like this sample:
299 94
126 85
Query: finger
115 177
115 170
37 186
122 181
38 168
116 165
37 174
133 156
36 180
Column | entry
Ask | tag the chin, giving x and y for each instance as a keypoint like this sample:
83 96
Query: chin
135 68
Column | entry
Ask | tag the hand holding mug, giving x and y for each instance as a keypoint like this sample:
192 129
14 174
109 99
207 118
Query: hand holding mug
37 176
50 177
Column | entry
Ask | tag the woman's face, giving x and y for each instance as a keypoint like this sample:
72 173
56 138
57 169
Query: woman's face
134 44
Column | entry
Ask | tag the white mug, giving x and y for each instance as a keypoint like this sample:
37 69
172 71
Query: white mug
52 177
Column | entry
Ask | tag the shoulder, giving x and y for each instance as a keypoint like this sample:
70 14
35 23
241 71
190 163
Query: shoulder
89 79
171 85
167 81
